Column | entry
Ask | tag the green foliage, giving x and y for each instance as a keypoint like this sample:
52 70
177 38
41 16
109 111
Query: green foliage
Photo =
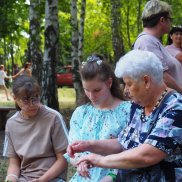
65 37
97 30
97 33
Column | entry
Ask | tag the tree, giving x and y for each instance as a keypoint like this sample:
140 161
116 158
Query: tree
117 40
81 30
35 40
49 87
74 54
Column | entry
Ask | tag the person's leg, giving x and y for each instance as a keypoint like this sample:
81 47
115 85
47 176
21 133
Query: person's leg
6 92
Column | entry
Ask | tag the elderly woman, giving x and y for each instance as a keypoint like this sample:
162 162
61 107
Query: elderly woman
149 149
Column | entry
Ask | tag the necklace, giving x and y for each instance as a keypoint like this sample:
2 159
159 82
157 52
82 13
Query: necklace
142 117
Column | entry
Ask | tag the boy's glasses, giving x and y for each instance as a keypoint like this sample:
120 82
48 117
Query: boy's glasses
31 100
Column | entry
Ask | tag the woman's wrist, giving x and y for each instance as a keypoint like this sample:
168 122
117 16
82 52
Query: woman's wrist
90 145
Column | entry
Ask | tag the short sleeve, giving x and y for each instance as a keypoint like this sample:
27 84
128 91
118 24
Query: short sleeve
76 124
59 134
152 44
8 149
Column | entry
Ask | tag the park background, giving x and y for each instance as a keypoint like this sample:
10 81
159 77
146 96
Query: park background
53 33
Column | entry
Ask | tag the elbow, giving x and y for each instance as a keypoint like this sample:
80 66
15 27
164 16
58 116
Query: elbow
146 161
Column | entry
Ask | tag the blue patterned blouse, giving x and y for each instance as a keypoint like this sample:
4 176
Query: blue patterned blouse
166 134
90 123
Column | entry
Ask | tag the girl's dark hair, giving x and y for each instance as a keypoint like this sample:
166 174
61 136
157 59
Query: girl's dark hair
154 19
172 31
26 65
25 86
96 66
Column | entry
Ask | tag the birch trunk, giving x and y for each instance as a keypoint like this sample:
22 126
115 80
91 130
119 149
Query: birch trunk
81 30
74 54
35 41
117 40
49 94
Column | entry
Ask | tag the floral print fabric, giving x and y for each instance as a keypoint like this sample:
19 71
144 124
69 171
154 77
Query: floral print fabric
90 123
166 134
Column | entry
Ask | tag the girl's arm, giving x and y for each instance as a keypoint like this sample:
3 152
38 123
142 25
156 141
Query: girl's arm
56 169
13 171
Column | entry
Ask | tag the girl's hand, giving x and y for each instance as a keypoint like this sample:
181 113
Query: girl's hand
106 179
83 169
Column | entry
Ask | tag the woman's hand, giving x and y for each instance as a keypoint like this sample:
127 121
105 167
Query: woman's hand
83 169
91 159
77 147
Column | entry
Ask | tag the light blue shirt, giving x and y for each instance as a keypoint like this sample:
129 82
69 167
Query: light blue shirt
90 123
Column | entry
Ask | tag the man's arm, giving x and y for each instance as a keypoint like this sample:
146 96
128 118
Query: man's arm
171 82
179 57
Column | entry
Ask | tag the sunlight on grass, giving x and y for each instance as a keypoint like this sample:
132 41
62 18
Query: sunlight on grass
66 97
8 104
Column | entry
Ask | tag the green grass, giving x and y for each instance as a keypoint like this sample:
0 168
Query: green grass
8 104
3 168
66 97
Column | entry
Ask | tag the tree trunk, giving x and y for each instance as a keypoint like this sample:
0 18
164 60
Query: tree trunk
81 30
117 40
49 94
12 52
139 28
5 52
35 41
128 23
74 54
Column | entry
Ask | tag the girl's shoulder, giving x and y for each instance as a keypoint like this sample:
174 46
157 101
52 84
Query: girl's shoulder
125 105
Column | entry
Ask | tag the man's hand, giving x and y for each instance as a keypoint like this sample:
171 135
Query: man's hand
77 147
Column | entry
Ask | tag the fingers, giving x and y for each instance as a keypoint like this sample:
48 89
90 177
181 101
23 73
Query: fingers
76 147
83 159
83 170
70 151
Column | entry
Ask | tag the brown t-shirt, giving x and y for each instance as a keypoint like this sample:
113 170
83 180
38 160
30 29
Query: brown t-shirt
36 141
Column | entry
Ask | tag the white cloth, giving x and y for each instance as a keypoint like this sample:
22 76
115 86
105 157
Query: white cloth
2 77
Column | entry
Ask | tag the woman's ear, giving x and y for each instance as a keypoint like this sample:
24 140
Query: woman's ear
14 97
109 82
147 81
